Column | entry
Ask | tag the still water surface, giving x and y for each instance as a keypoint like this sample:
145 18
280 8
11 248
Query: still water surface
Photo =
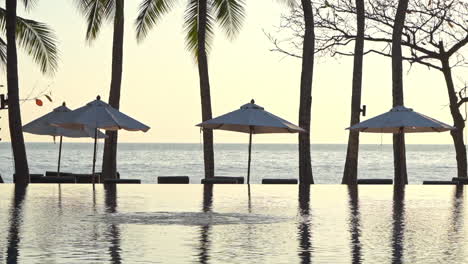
223 224
150 160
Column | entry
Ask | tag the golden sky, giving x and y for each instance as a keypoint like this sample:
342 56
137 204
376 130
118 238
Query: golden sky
160 80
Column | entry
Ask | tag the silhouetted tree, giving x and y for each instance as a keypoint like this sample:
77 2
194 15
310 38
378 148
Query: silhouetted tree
352 153
96 12
304 28
399 153
434 35
200 17
305 162
39 41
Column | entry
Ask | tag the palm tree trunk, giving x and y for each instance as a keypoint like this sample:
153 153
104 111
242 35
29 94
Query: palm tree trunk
305 162
399 155
351 164
208 153
109 164
14 111
457 134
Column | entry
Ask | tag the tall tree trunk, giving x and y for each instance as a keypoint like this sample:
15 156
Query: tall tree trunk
109 164
305 163
351 164
14 111
399 155
459 123
205 89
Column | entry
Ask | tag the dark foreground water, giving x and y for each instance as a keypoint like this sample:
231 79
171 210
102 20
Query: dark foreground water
223 224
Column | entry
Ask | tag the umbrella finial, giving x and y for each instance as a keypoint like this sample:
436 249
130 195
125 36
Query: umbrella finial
252 101
98 97
63 104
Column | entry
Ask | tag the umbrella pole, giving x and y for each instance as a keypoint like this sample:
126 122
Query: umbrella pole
250 151
94 156
59 157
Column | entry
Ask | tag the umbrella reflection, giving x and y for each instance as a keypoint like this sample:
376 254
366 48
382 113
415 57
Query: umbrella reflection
354 224
305 244
249 205
113 231
398 223
203 256
16 215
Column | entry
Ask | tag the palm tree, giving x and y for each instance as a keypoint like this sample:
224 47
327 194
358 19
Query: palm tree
399 155
308 49
39 42
96 12
351 164
200 17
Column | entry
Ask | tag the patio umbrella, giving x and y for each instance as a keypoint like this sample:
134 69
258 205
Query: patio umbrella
99 115
251 119
42 126
401 120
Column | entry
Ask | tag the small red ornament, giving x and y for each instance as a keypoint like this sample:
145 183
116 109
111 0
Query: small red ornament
39 102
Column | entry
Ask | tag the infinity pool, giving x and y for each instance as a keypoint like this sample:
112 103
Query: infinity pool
232 224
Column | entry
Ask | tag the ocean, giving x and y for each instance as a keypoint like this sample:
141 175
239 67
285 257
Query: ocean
147 161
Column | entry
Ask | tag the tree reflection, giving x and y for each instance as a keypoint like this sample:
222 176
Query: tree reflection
110 200
354 224
16 218
398 223
304 233
455 247
203 256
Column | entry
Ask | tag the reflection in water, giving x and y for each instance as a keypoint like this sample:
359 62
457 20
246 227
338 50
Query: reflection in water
398 223
455 230
250 200
15 223
113 232
305 245
203 256
354 224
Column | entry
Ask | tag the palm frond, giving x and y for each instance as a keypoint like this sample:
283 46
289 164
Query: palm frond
109 8
94 12
230 15
29 4
191 17
289 3
3 54
37 39
149 13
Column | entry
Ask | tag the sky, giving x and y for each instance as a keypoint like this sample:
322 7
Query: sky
160 80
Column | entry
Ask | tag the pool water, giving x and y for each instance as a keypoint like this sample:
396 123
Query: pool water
232 224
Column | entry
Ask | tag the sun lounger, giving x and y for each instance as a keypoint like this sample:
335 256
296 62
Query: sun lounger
121 181
220 180
375 181
53 179
173 180
54 173
240 180
279 181
439 182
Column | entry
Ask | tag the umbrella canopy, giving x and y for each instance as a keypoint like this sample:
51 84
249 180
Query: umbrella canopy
401 119
98 114
251 118
42 125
